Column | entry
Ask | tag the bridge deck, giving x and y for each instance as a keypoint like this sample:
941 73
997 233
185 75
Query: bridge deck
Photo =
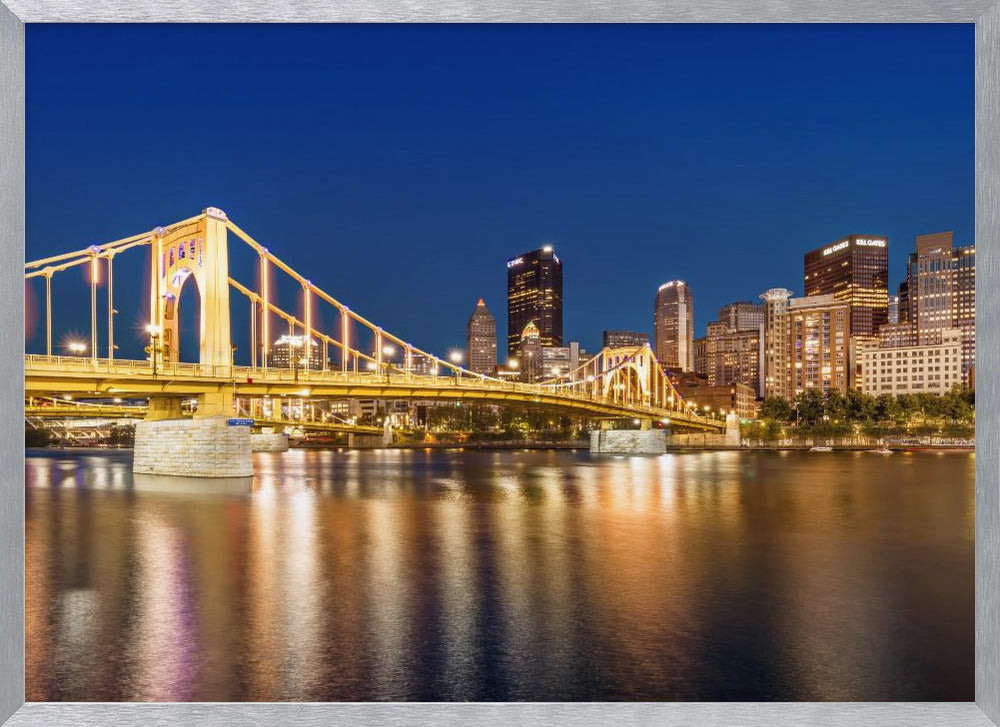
118 377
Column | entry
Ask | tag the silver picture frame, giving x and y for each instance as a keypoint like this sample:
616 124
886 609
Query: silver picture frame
984 711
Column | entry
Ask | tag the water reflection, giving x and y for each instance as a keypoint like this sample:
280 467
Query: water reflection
446 575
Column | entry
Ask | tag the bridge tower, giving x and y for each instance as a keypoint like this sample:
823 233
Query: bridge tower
198 251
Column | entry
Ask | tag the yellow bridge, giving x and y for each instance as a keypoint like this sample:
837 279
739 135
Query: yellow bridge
360 360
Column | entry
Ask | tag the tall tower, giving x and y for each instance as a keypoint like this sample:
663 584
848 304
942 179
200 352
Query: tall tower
673 326
775 370
941 286
855 270
481 341
534 294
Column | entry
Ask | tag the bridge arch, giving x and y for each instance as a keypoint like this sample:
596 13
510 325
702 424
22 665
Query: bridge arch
197 250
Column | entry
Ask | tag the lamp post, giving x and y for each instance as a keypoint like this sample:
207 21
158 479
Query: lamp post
76 348
387 354
456 358
154 344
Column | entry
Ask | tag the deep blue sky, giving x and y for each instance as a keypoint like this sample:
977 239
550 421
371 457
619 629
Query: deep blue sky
400 166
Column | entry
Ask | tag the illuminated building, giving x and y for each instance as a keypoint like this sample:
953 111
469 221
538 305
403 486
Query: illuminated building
562 361
904 302
894 309
818 344
774 349
481 341
625 339
742 316
673 326
288 352
530 346
732 350
716 400
941 283
701 356
855 270
534 295
927 368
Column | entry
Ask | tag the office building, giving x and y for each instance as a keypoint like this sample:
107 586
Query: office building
701 356
742 316
562 361
673 326
855 270
732 348
933 367
894 308
481 341
534 295
941 287
530 348
288 352
625 339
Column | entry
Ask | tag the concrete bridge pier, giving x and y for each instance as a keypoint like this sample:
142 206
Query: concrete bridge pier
269 439
644 440
206 446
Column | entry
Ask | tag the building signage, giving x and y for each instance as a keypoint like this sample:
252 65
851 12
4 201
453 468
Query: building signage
236 422
860 242
515 262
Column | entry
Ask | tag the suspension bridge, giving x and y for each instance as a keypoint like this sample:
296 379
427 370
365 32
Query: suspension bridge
359 359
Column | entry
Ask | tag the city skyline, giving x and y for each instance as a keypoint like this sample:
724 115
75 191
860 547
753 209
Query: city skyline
647 197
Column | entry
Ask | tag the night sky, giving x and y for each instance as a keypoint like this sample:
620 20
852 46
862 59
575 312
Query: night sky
400 166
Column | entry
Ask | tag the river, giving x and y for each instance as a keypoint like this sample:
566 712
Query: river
515 575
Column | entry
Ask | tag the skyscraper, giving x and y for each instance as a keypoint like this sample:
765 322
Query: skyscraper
673 326
855 270
625 339
481 341
534 295
941 285
732 352
894 308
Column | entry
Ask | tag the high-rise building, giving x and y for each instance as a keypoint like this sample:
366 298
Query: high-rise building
818 344
855 270
288 352
894 308
530 347
904 302
941 286
775 375
481 341
673 326
534 295
701 356
731 352
742 316
625 339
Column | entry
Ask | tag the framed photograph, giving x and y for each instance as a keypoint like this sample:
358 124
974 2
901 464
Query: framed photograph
537 364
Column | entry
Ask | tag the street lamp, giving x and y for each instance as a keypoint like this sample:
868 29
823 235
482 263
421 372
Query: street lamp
153 348
455 357
76 348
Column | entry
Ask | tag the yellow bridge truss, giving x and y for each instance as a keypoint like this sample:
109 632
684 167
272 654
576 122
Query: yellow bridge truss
614 384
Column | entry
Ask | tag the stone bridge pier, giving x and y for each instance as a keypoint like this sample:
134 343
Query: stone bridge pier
212 444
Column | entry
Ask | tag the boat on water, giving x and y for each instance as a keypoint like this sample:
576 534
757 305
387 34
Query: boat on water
881 450
821 449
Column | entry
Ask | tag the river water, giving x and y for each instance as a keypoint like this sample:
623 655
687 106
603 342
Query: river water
526 575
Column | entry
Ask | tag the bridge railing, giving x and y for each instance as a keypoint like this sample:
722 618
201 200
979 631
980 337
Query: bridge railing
305 377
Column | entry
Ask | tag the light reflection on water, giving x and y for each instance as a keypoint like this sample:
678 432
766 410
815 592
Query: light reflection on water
445 575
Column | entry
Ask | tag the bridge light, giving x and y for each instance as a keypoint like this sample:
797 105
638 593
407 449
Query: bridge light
153 329
455 357
117 400
76 347
513 364
388 350
665 420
